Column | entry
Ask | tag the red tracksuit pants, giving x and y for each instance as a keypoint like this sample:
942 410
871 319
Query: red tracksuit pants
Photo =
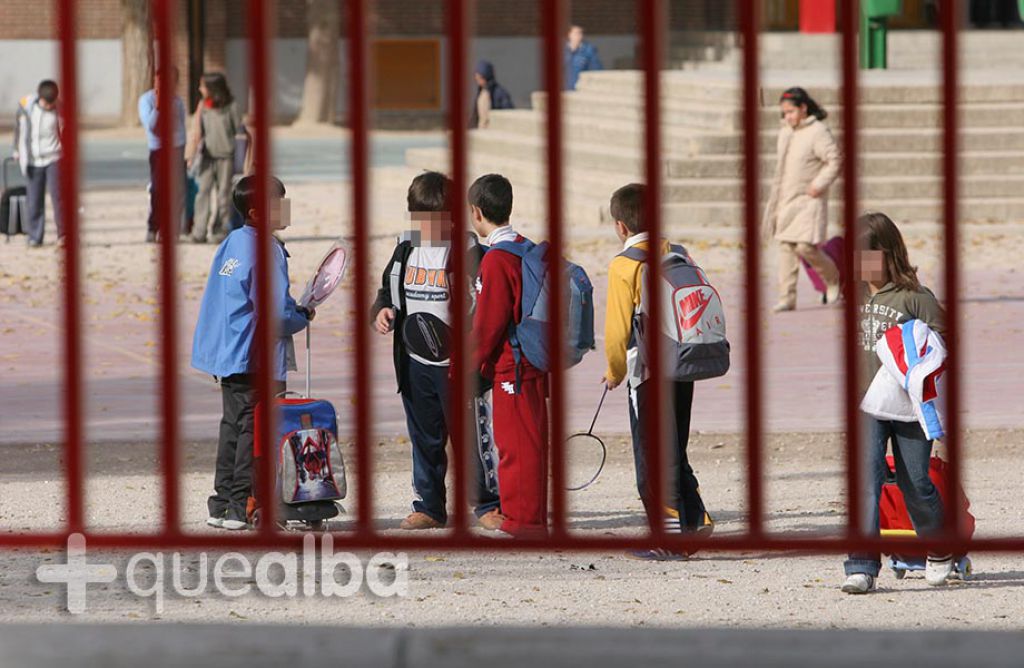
521 436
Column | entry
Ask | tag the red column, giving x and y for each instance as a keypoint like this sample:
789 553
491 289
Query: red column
817 15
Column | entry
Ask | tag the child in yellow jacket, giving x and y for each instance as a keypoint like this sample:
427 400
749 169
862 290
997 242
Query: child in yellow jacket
686 510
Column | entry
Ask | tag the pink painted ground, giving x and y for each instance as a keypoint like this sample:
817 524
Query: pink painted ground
802 349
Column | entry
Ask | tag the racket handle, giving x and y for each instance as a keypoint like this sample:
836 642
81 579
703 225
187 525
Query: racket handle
598 411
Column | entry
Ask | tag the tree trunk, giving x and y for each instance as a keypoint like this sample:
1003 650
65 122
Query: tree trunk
137 58
320 90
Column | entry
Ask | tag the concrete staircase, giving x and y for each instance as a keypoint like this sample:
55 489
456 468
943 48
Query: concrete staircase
899 166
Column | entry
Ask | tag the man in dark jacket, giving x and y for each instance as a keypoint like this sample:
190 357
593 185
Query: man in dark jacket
489 95
580 56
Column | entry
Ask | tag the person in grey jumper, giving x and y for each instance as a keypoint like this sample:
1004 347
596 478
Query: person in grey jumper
37 148
211 157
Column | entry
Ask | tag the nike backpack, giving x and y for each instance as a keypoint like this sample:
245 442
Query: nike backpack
693 320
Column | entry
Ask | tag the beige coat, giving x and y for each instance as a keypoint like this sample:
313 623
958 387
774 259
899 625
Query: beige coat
806 155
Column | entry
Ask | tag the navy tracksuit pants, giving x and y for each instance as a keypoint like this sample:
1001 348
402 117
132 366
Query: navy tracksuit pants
427 414
681 486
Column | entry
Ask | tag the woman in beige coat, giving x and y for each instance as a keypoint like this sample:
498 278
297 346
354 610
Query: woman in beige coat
797 213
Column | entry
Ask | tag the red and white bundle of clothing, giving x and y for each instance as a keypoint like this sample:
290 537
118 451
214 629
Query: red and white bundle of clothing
908 387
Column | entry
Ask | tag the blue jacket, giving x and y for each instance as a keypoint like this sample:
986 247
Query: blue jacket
223 341
583 59
148 116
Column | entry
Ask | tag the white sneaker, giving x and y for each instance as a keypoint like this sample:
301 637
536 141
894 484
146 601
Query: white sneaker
782 307
937 571
217 522
833 293
859 583
234 525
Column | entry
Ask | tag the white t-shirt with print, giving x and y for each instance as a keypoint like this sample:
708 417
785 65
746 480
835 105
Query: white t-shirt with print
428 287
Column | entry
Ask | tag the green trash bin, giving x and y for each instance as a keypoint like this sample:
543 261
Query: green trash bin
874 31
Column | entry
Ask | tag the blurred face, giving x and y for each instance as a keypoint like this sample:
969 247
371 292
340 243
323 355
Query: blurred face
575 37
49 106
203 90
792 114
480 81
871 264
280 213
158 80
433 227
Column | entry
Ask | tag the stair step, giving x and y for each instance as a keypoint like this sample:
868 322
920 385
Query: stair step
631 162
704 116
687 141
873 89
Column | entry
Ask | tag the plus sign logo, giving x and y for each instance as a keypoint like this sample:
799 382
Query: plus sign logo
76 573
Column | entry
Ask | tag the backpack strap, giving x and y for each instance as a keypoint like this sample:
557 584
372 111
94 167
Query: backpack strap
635 253
519 249
397 278
640 255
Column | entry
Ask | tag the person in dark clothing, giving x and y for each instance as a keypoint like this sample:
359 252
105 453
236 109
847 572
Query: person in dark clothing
489 95
414 303
37 149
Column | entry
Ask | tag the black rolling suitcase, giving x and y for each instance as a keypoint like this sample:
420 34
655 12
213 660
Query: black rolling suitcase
13 204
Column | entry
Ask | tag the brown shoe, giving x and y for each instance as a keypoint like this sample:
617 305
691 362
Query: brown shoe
492 520
419 521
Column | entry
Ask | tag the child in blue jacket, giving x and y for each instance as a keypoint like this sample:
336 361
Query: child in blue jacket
223 344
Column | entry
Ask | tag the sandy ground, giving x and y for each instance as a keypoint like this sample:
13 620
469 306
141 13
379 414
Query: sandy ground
502 587
506 587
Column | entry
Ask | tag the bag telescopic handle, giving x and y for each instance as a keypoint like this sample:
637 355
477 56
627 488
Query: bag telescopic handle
309 326
7 161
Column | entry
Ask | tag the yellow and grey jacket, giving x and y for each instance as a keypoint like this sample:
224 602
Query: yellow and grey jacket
624 296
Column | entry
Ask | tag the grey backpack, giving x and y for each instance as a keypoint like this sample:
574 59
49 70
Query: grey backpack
694 344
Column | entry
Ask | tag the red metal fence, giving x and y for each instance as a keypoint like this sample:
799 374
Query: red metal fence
364 536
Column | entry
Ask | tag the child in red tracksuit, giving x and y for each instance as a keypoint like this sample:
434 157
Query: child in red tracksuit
519 396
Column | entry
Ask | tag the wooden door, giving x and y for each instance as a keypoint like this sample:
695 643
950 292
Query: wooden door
407 74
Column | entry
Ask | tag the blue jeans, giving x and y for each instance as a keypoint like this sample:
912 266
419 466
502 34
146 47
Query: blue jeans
912 453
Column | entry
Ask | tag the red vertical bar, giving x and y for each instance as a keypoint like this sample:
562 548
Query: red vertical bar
457 36
650 39
166 177
950 145
359 129
264 340
750 23
74 474
851 292
553 46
